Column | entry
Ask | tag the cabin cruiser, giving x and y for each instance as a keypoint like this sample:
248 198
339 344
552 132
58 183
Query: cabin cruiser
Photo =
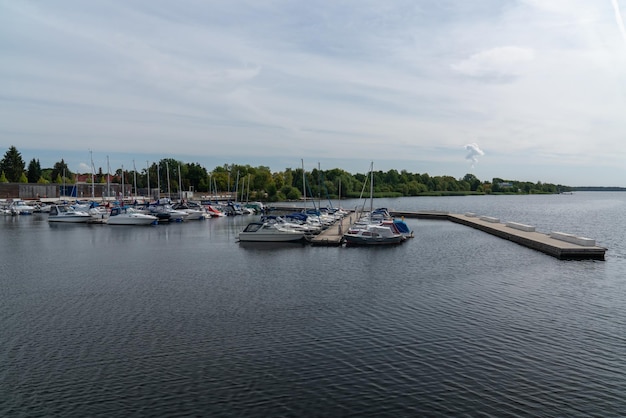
61 213
130 216
20 207
269 232
195 210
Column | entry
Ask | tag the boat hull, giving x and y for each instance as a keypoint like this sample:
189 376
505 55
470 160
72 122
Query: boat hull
70 219
359 240
256 237
125 220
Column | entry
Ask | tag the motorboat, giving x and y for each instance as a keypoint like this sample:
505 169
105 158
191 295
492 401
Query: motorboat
215 211
293 224
269 232
194 210
130 216
372 235
99 214
20 207
60 213
162 209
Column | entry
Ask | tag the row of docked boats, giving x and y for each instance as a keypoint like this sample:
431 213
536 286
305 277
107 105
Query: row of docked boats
116 216
297 226
17 207
376 227
162 210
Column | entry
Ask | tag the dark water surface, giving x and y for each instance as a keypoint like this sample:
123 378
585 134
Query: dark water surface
181 320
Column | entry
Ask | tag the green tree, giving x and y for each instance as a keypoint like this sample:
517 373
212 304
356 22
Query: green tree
196 175
12 164
472 180
272 192
34 171
60 169
23 178
3 178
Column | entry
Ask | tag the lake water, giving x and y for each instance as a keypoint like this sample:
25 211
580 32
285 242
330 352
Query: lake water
182 320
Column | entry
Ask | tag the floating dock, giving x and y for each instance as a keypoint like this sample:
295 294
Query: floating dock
561 245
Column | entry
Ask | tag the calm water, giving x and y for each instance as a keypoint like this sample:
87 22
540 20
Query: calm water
181 320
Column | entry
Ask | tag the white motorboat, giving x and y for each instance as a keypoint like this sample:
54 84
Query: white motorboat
269 232
194 210
163 207
20 207
296 226
130 216
60 213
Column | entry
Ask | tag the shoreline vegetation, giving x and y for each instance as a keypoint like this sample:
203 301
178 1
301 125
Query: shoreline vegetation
260 183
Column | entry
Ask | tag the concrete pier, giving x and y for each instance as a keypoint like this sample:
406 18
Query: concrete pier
557 244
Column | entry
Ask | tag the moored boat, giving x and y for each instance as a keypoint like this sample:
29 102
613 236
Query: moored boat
61 213
20 207
130 216
269 232
376 228
372 235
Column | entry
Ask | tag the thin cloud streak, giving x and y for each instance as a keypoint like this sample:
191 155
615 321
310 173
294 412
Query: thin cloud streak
619 20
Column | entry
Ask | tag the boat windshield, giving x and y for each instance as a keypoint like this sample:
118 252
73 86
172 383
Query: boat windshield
253 227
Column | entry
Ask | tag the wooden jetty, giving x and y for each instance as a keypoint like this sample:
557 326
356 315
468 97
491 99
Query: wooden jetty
333 235
557 244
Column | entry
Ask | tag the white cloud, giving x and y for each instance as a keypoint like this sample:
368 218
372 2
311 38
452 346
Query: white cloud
498 63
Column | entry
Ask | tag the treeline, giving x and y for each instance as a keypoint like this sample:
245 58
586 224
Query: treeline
260 183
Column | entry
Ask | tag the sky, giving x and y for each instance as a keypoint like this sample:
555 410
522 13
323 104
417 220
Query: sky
528 90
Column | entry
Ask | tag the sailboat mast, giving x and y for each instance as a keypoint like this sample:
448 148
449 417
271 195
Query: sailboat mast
248 193
148 174
180 186
167 167
135 178
237 187
303 183
108 178
371 190
319 185
123 191
93 190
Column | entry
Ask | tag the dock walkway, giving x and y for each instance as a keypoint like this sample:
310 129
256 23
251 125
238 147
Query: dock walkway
556 244
333 235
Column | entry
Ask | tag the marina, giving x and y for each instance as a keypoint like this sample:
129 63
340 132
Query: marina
561 245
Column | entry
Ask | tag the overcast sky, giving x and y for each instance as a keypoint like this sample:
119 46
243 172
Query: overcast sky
531 90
